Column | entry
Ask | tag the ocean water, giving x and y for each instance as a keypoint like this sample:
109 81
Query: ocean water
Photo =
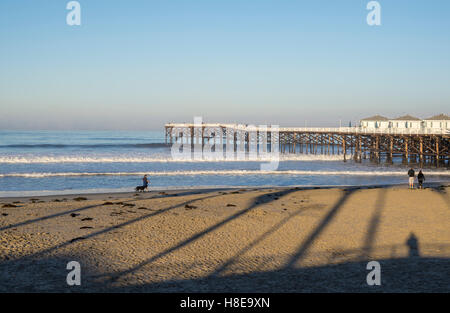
64 162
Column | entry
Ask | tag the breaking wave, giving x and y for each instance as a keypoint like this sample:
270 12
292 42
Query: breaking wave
225 172
153 159
62 146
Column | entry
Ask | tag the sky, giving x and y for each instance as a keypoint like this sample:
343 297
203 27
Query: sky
136 65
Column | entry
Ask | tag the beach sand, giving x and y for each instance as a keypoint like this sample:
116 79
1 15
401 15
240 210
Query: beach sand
231 240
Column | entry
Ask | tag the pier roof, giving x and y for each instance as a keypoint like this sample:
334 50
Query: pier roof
440 117
375 118
407 118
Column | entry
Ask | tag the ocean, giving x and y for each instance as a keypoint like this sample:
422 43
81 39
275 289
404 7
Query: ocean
70 162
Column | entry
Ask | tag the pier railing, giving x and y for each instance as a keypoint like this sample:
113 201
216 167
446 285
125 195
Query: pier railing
361 130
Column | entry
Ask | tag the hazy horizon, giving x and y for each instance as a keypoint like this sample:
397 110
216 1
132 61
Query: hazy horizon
139 65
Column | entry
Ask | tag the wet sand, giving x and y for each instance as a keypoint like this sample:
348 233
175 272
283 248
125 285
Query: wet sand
233 240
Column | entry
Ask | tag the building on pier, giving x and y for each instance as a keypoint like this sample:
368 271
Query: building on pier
376 122
406 121
440 121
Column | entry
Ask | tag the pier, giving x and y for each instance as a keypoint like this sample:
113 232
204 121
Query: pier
423 147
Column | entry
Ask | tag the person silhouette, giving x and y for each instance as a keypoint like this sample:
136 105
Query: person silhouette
411 175
145 182
413 245
420 179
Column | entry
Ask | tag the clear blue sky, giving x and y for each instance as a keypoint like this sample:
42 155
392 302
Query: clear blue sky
139 64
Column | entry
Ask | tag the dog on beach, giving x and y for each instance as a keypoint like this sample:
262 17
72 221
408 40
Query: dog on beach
144 187
141 188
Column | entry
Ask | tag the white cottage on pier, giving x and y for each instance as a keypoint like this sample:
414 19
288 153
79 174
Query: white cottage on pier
441 121
406 122
375 122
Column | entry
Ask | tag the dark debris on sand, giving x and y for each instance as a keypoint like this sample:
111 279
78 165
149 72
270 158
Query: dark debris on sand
9 205
76 239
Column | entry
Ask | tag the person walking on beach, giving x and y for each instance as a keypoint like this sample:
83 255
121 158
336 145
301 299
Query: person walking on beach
145 182
411 175
144 186
421 179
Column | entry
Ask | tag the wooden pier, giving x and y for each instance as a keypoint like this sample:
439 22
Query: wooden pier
423 147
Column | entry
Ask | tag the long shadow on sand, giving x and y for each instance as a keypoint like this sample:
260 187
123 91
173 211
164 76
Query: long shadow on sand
408 274
106 230
255 203
43 218
413 273
307 243
374 223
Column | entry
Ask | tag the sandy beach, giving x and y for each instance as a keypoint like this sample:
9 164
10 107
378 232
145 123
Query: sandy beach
231 240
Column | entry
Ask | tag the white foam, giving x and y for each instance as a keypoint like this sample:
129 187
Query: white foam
153 159
68 192
224 172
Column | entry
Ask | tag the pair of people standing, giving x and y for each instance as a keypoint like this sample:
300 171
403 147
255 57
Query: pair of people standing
420 178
